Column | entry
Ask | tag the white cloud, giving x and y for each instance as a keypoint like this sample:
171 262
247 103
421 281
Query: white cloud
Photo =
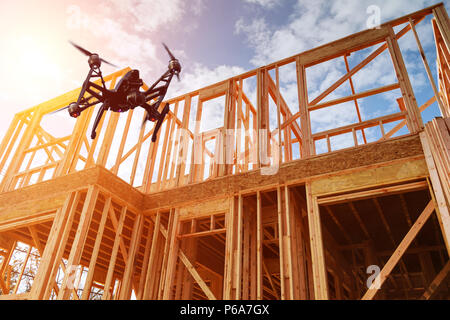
149 15
264 3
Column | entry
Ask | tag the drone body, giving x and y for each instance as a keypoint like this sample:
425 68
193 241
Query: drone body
126 95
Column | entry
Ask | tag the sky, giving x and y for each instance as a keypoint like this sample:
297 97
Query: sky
213 39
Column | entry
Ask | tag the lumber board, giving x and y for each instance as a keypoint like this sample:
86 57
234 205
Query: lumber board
371 177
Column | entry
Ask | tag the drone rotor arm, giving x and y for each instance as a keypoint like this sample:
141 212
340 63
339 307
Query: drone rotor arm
101 91
164 78
155 93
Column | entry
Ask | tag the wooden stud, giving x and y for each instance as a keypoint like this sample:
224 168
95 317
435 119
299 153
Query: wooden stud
317 255
109 277
98 241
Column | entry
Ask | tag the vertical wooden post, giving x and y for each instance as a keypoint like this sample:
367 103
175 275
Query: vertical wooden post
150 230
259 247
48 256
197 157
229 125
135 240
4 154
237 285
317 252
61 246
191 247
167 163
262 134
231 226
172 255
148 288
80 238
443 23
112 263
184 143
246 256
281 243
442 210
427 69
13 127
413 116
305 122
95 250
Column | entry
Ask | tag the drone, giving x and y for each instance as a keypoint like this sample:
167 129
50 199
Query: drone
125 95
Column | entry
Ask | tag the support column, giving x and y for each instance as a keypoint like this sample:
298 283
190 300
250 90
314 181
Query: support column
305 121
413 117
317 252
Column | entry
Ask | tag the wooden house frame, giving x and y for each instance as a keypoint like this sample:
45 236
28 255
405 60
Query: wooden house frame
268 216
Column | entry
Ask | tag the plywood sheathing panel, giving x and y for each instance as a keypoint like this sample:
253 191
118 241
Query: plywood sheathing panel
299 170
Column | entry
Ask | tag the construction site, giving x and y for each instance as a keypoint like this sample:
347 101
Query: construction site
245 210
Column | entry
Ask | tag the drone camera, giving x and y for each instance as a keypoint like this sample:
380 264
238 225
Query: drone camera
136 98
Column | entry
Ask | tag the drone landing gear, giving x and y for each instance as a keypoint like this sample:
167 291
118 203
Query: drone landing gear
160 121
97 120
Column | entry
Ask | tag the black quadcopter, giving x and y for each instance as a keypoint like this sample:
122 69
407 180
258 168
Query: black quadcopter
126 94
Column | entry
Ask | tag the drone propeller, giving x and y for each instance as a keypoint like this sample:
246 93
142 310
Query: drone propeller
87 53
173 60
56 111
172 57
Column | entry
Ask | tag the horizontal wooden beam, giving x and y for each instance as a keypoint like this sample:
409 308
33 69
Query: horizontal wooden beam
352 97
202 233
360 125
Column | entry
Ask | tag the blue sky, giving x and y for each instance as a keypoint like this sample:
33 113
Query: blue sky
214 39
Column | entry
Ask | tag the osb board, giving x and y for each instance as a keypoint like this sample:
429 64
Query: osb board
370 177
28 209
61 186
49 188
295 171
204 208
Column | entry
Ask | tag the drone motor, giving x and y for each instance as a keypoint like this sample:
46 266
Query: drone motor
94 61
174 66
74 110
